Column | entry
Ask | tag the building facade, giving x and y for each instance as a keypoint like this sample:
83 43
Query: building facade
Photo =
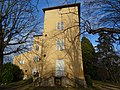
56 54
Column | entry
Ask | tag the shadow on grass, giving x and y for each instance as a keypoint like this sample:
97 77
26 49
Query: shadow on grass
28 85
16 85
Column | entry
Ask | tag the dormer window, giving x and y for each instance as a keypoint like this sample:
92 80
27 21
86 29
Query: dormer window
60 26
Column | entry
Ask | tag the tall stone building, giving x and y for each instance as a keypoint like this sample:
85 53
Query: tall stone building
56 54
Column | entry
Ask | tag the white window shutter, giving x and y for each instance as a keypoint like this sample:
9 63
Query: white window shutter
21 61
57 25
62 25
58 45
62 43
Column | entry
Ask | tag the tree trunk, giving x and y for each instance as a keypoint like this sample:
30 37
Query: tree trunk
1 41
1 57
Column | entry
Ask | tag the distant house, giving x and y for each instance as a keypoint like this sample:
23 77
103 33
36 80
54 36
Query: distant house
56 55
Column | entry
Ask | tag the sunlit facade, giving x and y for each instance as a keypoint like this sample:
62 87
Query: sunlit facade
56 54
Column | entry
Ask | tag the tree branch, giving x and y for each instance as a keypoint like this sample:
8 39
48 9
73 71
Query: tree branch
111 30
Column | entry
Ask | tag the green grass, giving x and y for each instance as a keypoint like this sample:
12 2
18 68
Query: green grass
16 85
107 82
107 85
22 85
27 85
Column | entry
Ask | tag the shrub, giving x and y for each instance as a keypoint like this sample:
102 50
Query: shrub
7 77
10 73
30 80
88 80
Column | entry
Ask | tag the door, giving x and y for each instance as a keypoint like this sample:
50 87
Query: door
59 68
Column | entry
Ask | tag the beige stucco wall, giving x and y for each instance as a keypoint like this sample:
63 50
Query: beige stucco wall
71 20
28 58
71 55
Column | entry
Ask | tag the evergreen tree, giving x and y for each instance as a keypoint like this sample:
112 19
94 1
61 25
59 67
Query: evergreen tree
88 54
10 73
107 56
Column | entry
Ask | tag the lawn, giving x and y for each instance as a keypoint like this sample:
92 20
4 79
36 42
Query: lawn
27 85
23 85
107 85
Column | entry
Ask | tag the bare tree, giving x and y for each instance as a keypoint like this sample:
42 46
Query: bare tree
98 15
17 22
103 16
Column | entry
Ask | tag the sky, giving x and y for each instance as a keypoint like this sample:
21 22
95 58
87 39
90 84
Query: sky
50 3
45 4
40 14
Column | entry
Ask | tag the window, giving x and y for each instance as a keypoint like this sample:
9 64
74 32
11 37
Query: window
37 48
60 44
25 70
39 58
21 61
45 35
60 25
36 58
34 70
44 55
59 67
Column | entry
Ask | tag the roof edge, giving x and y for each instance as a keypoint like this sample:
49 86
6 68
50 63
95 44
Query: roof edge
37 35
62 6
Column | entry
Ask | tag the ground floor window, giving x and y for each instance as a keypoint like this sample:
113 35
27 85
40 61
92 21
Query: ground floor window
59 68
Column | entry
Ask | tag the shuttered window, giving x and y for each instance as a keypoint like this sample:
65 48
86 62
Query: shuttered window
36 58
60 25
21 62
60 44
